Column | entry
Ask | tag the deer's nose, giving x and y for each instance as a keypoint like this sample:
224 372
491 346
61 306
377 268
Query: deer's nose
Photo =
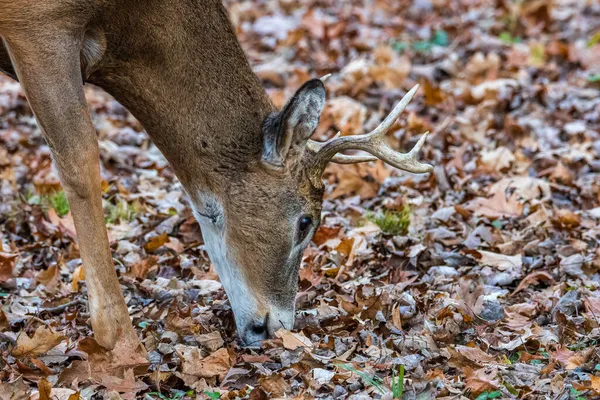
264 326
256 331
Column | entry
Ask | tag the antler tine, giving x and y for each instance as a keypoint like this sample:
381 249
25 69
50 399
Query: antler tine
314 147
373 143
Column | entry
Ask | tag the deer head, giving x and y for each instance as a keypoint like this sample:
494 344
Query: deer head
257 227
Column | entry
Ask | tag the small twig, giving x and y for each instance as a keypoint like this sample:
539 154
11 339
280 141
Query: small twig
62 307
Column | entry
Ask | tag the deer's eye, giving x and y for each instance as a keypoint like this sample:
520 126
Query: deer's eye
304 225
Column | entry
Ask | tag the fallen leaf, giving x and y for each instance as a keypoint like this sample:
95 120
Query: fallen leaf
78 276
43 340
156 241
49 277
292 340
128 385
275 385
14 389
216 364
567 358
481 380
325 233
533 279
211 341
7 266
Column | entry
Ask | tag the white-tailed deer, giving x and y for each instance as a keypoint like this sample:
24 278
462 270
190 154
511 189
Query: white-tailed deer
252 173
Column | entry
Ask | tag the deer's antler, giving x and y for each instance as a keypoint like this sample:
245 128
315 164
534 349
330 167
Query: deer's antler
373 143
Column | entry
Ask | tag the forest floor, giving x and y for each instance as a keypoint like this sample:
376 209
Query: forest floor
480 280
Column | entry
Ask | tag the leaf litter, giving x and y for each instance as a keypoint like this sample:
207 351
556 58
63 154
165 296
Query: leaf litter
489 289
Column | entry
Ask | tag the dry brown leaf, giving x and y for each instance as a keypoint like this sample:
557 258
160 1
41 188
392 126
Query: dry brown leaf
78 276
567 358
500 261
211 341
496 160
464 356
156 241
140 269
508 196
44 388
345 246
7 265
49 277
43 340
65 224
216 364
325 233
292 340
482 379
14 389
343 114
566 219
533 279
433 93
390 68
102 362
128 386
58 394
3 321
275 385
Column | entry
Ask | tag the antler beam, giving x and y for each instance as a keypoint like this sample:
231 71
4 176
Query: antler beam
373 143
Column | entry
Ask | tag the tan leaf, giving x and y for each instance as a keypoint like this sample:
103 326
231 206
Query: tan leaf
567 358
508 196
43 340
390 69
351 183
102 362
78 276
58 394
325 233
533 279
140 269
464 356
274 385
500 261
128 386
343 114
592 305
292 341
14 390
65 224
74 396
496 160
566 219
156 241
211 341
7 265
345 246
216 364
481 380
48 277
44 388
595 384
175 245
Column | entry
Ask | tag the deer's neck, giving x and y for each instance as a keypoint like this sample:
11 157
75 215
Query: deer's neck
178 67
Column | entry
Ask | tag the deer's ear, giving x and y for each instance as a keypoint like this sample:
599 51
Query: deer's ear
294 125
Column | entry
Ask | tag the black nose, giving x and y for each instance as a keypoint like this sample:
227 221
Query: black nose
259 328
256 331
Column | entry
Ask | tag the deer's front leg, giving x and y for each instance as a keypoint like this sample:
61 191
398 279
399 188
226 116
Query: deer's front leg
49 69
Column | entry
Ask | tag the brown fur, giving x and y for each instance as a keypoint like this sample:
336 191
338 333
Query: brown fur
178 67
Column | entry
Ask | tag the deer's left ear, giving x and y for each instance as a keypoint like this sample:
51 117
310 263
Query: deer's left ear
294 125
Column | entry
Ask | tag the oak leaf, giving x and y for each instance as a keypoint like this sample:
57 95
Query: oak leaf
43 340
